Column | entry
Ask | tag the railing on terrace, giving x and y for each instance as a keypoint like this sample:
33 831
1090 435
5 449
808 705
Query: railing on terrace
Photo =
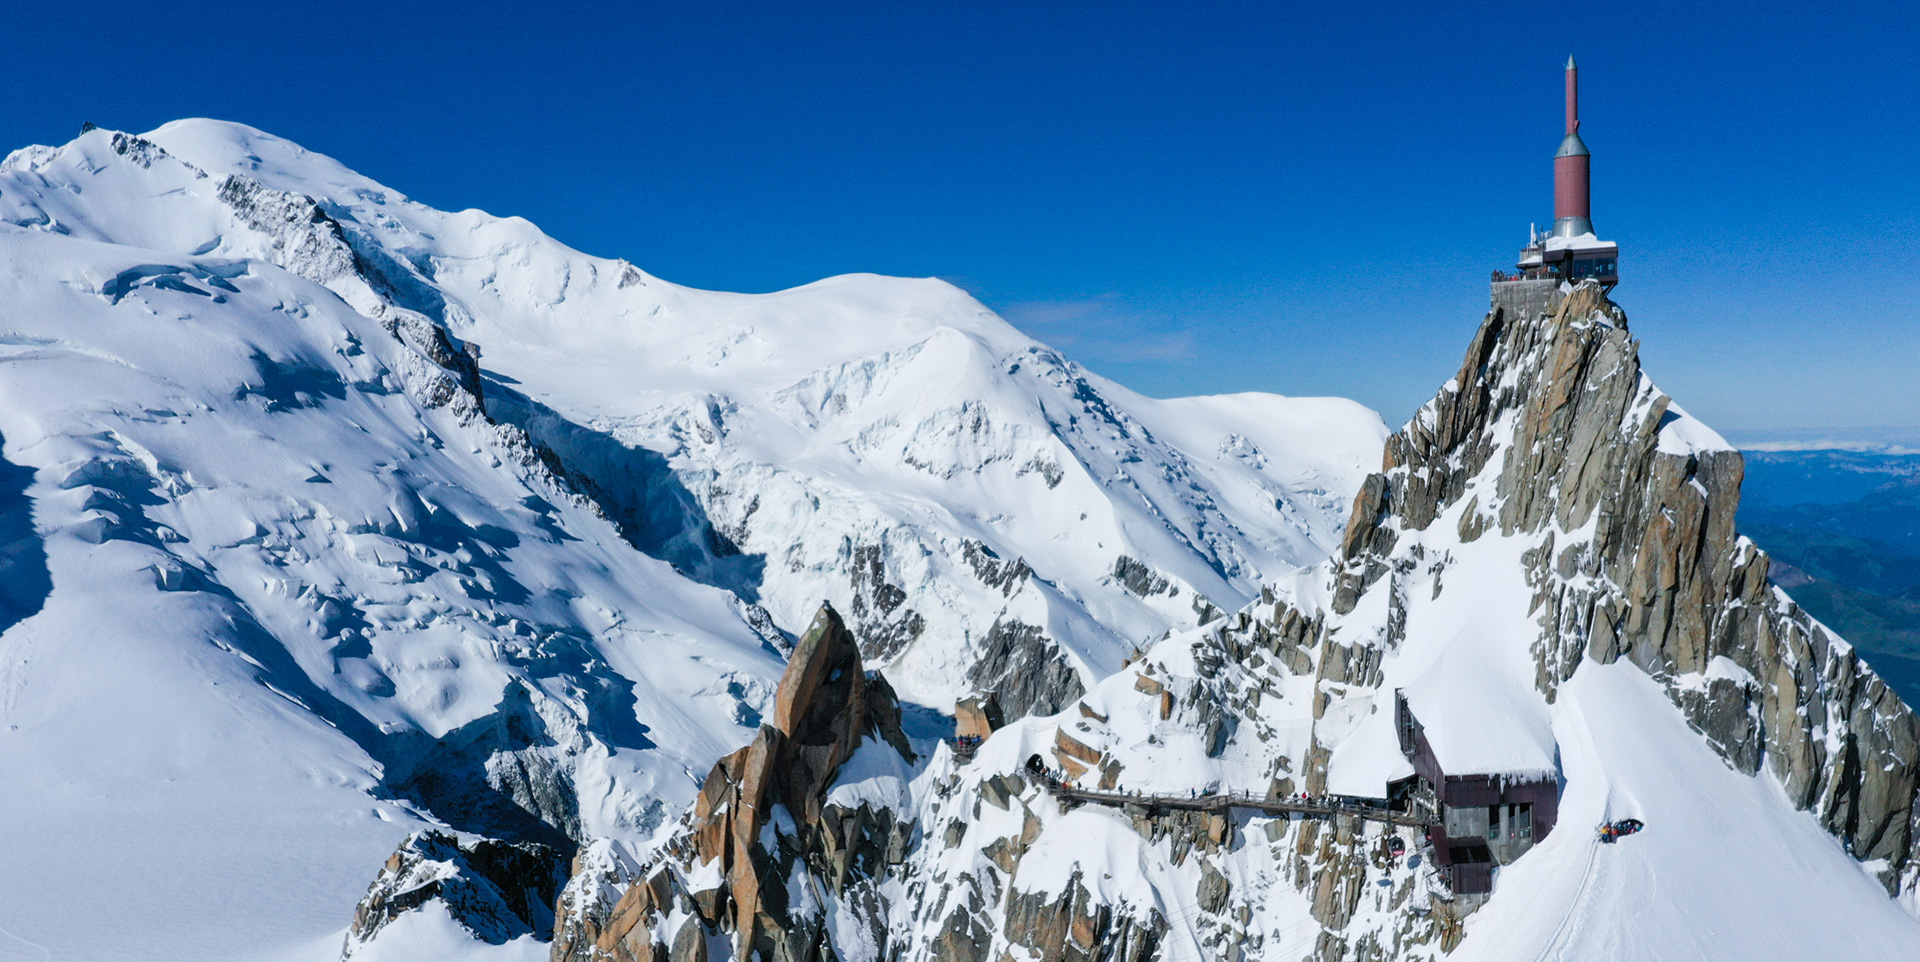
1221 801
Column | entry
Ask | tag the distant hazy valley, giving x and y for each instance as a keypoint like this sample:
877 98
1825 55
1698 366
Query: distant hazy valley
1848 522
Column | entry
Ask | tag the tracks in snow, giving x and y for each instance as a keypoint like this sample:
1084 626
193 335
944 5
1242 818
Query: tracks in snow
1563 933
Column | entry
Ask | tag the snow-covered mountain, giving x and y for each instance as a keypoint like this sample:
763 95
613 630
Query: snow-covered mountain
398 584
886 444
332 517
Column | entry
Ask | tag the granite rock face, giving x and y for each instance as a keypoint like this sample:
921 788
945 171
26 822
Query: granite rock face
1025 669
961 889
1075 927
763 844
498 890
1637 558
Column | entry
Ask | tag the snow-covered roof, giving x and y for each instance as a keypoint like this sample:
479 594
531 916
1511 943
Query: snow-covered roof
1465 667
1474 727
1580 242
1370 758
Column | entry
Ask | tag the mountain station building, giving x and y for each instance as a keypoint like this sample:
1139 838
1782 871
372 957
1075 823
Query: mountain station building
1571 252
1485 818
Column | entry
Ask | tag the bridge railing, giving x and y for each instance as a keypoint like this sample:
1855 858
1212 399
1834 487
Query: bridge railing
1317 805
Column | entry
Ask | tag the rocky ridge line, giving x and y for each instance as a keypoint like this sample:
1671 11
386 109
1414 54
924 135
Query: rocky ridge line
1637 558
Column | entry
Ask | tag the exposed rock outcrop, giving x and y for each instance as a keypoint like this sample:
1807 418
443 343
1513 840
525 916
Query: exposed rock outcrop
312 243
763 846
1025 669
498 890
977 717
1072 926
1613 513
886 626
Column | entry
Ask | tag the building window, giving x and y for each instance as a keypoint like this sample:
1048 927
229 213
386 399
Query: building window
1471 853
1597 267
1523 820
1493 822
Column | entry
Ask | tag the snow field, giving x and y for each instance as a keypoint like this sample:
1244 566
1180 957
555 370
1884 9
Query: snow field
1725 868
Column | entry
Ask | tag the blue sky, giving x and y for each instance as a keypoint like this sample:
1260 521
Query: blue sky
1187 198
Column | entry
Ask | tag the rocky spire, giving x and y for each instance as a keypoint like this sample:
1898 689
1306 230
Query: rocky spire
1632 506
825 707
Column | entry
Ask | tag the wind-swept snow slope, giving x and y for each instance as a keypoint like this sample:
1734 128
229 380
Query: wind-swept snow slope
287 591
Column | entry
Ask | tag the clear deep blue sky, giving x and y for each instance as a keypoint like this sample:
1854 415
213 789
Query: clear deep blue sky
1187 198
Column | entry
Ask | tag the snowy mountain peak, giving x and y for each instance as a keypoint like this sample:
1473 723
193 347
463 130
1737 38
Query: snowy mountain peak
391 519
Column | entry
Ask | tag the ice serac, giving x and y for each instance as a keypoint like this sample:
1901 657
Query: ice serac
765 838
1628 508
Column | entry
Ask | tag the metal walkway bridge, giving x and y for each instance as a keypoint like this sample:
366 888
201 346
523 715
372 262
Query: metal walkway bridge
1225 801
